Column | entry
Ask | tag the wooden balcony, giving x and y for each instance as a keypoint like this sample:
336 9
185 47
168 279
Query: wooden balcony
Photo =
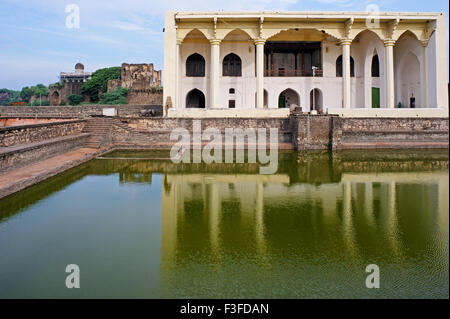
292 73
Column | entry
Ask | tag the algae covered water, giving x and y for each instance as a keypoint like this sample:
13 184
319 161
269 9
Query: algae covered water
139 226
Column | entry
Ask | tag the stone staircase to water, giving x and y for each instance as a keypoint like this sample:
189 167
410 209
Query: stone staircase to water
99 129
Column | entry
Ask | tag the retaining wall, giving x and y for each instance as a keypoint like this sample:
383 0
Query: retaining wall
21 155
30 133
76 111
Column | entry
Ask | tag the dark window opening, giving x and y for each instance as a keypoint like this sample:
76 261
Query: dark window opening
195 99
232 65
339 71
231 91
375 66
231 104
195 65
296 58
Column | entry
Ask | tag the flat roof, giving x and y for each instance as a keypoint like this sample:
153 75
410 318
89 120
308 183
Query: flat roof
332 15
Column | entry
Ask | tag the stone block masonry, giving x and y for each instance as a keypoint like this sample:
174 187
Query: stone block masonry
367 133
31 133
18 156
83 111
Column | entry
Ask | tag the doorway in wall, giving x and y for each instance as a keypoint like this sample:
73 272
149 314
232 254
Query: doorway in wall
195 99
375 98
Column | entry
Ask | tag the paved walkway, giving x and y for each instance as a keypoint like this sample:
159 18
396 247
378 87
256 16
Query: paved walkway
16 180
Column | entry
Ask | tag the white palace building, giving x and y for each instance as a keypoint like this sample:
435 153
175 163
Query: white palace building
264 64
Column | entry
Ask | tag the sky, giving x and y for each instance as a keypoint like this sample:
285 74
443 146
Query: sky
36 45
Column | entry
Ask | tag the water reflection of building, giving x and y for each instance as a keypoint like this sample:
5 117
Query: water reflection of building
365 214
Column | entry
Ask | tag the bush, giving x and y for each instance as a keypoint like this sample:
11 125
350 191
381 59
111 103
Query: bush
74 99
40 103
116 96
62 103
99 81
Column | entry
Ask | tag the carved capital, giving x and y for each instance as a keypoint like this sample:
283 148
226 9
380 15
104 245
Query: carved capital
345 42
215 41
259 41
389 43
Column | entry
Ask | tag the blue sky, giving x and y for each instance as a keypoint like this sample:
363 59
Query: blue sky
35 44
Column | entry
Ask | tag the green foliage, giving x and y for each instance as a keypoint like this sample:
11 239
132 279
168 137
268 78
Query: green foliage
99 80
74 99
26 93
116 96
9 96
37 102
62 103
38 90
58 85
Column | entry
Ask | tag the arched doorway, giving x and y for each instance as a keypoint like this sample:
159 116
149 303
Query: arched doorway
410 80
316 100
195 99
55 98
288 99
375 81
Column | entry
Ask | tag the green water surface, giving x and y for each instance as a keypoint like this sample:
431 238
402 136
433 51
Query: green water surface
148 228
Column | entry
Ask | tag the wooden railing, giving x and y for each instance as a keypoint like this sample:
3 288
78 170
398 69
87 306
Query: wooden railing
308 73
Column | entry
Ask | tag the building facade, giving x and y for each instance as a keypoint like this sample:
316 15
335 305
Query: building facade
267 63
70 83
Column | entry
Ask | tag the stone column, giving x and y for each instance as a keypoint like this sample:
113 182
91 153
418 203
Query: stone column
215 67
178 76
424 71
346 90
259 73
390 85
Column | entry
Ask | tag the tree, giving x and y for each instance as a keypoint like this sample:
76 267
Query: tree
99 80
74 99
26 93
40 89
9 96
116 96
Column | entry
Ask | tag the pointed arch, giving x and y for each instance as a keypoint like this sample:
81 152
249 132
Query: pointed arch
339 71
239 33
232 65
185 34
377 33
195 65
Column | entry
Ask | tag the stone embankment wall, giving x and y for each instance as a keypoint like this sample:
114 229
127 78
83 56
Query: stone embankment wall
21 145
156 131
25 154
83 111
365 133
301 132
31 133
